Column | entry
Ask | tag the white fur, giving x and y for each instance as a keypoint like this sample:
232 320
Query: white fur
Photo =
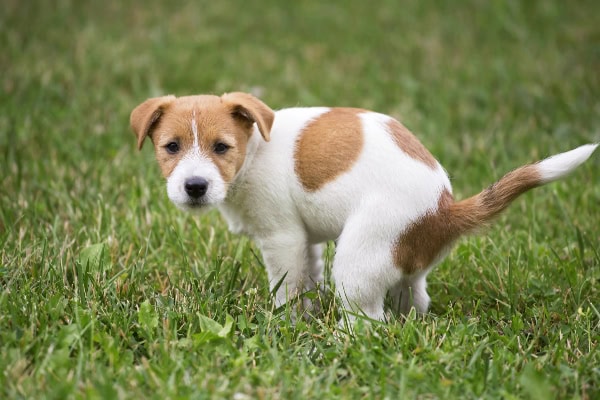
196 143
559 165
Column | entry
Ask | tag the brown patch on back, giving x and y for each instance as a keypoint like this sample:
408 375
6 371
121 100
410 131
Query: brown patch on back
327 147
421 244
409 144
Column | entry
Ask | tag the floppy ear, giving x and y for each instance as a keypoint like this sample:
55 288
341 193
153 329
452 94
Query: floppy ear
144 117
249 109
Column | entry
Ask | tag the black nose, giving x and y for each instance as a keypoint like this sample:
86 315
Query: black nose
196 187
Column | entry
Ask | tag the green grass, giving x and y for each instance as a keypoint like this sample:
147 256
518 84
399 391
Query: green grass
107 291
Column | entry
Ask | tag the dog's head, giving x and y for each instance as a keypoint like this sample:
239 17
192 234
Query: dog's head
200 141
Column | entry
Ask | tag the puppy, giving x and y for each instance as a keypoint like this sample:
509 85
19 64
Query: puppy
295 178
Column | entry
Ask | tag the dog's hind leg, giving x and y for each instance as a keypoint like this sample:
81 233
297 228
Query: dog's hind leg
363 267
410 292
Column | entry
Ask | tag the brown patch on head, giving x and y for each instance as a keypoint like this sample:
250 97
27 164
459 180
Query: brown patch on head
249 110
212 123
144 117
328 147
409 144
171 128
424 240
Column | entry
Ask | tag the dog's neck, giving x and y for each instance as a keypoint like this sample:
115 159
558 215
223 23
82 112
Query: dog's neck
233 207
254 142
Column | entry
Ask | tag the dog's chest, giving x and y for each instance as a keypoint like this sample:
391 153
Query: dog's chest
262 214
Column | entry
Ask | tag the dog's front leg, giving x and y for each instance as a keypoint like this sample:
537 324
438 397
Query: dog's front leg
286 260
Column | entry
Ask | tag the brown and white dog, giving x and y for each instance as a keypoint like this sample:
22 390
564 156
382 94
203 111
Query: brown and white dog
295 178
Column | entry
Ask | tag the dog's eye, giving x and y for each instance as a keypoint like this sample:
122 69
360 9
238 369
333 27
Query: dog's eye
172 147
221 148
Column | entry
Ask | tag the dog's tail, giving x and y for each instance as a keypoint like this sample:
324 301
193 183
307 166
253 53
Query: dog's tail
470 214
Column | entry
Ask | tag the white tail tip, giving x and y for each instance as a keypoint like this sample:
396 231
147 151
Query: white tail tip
559 165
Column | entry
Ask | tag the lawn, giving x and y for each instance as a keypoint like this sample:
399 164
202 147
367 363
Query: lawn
108 291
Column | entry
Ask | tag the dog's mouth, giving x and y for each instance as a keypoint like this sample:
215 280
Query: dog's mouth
191 204
194 204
